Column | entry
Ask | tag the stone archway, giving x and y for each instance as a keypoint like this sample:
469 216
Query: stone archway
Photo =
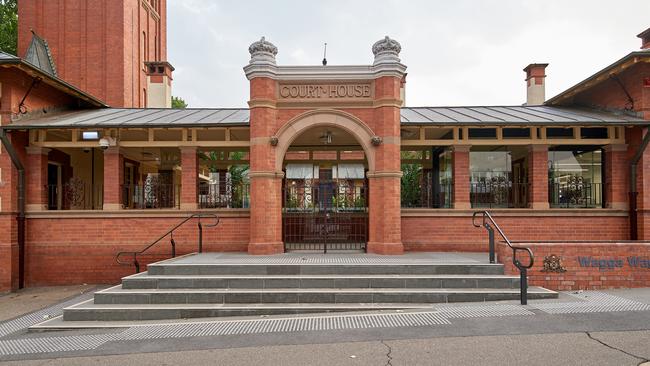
323 118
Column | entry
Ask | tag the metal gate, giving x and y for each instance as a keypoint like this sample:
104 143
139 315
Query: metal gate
324 215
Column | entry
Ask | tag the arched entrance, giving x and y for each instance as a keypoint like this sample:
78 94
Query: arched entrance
325 191
324 158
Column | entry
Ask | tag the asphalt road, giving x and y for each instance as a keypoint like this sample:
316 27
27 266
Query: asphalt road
623 348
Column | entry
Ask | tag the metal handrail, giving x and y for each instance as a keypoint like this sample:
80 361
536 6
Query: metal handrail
488 223
172 241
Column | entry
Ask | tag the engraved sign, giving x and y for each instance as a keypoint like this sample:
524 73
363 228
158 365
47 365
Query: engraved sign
325 91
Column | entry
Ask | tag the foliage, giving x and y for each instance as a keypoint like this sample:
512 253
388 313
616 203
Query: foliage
211 158
9 26
411 189
178 103
238 172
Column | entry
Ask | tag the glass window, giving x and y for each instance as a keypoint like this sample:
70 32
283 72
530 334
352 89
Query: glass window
594 132
576 177
559 133
498 176
482 133
427 178
516 133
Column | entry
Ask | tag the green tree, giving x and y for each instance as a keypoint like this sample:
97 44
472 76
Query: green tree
411 189
178 103
9 26
238 172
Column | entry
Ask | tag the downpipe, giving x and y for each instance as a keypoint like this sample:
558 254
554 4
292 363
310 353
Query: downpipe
20 218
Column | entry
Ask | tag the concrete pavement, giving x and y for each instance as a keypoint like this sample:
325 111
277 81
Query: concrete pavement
588 328
30 299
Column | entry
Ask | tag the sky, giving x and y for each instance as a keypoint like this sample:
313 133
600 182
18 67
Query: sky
458 52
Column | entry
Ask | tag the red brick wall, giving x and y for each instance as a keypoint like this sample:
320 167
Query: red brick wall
456 233
64 251
608 93
538 176
8 226
8 253
97 45
615 272
15 84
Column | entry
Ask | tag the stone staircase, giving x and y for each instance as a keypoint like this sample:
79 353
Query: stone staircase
218 284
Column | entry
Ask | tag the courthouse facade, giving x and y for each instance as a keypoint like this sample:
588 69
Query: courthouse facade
323 158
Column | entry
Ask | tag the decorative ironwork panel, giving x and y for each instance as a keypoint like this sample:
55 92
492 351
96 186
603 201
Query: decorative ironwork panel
499 193
325 215
226 195
575 194
151 194
76 194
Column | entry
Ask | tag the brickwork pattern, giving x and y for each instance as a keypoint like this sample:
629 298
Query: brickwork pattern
65 251
612 270
616 177
440 233
113 178
460 158
98 46
538 176
189 177
36 176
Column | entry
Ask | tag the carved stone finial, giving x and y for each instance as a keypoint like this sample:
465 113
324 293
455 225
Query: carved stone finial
386 50
387 45
263 51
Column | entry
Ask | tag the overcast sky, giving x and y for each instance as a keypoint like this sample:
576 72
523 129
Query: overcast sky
458 52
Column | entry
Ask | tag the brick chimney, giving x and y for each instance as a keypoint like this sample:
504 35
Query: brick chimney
535 84
159 84
645 39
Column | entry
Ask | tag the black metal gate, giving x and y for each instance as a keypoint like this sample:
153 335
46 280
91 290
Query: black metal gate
325 215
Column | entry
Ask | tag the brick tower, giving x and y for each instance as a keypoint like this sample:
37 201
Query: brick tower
115 50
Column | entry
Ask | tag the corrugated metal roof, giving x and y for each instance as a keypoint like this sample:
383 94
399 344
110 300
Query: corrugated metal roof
443 116
514 115
140 117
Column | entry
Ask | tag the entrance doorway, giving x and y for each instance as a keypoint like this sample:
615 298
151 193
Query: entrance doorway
54 184
325 193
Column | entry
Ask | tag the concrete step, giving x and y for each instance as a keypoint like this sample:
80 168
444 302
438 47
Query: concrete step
146 281
117 295
88 311
392 300
187 269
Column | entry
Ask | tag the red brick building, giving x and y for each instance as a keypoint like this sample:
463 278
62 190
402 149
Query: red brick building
324 158
115 50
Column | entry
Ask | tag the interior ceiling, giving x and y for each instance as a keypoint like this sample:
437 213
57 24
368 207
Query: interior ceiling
312 137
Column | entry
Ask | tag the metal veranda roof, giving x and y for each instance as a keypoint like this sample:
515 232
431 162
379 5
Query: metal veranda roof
140 117
433 116
514 115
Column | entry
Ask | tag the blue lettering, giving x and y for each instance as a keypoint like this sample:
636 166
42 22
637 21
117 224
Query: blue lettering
619 263
633 261
584 261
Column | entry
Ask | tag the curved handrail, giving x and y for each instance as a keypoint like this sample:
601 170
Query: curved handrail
488 223
486 216
170 232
